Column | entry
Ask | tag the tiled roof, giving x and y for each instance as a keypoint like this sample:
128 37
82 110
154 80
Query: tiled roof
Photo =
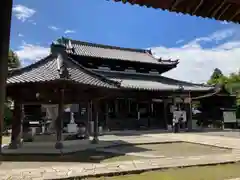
112 52
152 82
157 85
46 70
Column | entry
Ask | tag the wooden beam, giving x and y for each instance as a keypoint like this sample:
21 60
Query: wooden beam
5 20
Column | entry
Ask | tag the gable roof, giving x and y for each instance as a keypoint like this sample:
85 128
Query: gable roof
47 70
94 50
228 10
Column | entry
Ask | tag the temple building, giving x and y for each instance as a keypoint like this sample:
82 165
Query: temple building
116 88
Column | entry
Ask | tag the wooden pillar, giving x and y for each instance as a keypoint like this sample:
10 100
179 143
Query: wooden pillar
149 113
95 131
116 107
165 103
16 126
189 124
106 115
59 120
89 118
5 19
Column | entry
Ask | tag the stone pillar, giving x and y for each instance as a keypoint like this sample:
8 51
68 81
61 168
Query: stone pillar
59 120
95 133
16 126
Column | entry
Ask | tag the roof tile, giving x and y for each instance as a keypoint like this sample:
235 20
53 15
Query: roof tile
112 52
152 82
46 70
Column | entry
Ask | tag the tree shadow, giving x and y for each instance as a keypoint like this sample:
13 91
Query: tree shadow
90 155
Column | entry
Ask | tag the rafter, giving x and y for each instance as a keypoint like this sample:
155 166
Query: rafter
198 6
218 8
234 1
235 14
212 8
175 3
224 10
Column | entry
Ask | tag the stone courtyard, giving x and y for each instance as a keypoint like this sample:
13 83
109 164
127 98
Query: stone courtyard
145 161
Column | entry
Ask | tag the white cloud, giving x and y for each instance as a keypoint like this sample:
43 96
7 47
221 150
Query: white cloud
69 31
22 12
179 41
32 21
197 63
216 37
20 35
54 28
30 52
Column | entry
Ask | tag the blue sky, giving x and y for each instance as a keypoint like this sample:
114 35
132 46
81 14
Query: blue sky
200 44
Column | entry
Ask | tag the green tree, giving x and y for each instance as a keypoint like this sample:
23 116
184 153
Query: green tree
231 83
217 77
13 60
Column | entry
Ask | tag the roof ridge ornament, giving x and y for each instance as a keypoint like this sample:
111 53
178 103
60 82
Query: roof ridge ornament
59 51
61 67
70 46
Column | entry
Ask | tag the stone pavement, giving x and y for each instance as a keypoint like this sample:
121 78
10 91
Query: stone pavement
66 170
86 169
218 141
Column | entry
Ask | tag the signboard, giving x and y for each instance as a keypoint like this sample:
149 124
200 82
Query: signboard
229 116
178 114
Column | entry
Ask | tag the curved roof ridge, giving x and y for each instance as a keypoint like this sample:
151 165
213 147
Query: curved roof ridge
149 52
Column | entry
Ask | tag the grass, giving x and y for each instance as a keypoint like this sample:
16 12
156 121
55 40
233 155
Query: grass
218 172
172 149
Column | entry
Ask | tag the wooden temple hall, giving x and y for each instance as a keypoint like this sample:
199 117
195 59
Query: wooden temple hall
90 88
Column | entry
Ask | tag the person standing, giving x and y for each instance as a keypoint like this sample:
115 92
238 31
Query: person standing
175 124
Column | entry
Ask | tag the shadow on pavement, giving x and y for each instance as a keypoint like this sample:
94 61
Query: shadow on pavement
89 155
